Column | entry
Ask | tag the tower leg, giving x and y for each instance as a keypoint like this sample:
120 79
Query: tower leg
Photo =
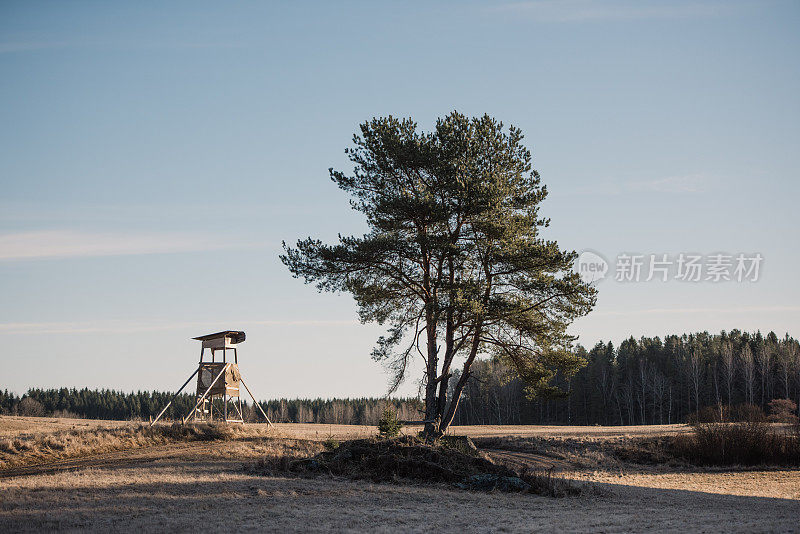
174 397
255 402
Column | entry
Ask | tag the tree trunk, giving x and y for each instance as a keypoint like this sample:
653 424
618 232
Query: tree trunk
462 381
449 353
430 386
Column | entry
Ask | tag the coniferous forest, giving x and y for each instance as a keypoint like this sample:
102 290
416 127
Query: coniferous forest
645 381
142 405
642 381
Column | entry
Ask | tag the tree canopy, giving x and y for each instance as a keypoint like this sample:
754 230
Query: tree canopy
454 263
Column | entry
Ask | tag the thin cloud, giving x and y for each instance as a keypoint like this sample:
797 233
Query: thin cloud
10 47
592 10
690 183
683 311
49 244
134 327
27 46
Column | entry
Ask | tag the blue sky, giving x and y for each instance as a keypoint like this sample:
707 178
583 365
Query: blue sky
153 157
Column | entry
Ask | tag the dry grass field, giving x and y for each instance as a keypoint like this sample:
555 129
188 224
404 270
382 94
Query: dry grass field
114 476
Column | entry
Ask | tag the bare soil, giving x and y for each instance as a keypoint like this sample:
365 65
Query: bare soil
186 486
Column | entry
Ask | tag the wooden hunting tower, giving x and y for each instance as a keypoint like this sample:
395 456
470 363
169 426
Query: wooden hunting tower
218 381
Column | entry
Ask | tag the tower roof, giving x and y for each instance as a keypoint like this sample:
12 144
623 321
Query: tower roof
236 336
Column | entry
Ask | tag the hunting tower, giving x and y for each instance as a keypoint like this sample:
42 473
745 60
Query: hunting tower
217 394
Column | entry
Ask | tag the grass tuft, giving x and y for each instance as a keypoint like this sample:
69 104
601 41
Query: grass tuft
741 443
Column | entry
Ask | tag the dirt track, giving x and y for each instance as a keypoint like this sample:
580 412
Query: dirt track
109 459
185 451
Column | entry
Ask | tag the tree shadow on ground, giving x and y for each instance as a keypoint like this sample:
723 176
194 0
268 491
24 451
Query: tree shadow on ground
218 494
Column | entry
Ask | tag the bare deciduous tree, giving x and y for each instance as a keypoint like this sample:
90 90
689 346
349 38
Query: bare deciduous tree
696 373
764 362
787 362
748 372
728 364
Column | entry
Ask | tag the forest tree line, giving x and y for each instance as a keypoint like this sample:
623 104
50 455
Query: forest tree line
144 405
643 381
